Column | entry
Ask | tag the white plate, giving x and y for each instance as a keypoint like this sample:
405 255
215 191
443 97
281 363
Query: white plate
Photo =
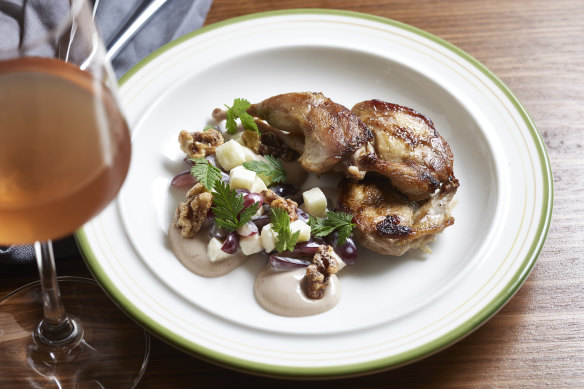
393 310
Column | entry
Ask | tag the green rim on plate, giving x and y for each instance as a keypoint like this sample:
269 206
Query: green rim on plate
371 366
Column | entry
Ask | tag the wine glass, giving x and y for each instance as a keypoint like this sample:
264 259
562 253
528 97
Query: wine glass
64 153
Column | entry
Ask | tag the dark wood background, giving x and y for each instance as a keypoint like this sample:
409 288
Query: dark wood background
537 48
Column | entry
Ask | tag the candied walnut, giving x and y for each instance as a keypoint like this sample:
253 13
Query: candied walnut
324 264
191 214
200 144
252 140
275 201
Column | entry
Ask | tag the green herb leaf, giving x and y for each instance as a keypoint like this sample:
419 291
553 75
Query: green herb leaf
272 168
281 226
206 173
238 110
248 122
339 221
318 228
343 224
228 207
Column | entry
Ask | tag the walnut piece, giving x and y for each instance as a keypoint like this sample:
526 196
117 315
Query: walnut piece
275 201
324 264
191 214
252 140
200 144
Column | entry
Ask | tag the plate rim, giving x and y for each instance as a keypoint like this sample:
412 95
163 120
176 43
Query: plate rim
376 365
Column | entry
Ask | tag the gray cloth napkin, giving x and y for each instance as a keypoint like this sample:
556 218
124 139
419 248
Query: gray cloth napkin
174 19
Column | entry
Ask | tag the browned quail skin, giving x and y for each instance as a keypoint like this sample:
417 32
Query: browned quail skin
331 133
407 149
388 222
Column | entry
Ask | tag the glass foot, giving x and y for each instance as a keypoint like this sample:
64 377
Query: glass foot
109 350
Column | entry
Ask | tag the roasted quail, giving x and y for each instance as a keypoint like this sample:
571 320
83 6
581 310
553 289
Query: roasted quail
407 149
330 133
387 221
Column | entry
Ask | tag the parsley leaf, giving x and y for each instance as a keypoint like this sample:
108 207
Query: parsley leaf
228 208
239 110
206 173
339 221
281 226
272 168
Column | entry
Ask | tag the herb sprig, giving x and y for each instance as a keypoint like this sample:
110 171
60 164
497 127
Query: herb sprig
230 214
281 225
206 173
272 168
239 110
334 221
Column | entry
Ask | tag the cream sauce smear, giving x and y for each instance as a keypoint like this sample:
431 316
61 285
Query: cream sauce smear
279 292
192 253
282 293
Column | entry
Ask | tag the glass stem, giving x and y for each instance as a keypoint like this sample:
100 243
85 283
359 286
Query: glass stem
56 326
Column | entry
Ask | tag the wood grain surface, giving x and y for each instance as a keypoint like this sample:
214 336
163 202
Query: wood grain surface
537 340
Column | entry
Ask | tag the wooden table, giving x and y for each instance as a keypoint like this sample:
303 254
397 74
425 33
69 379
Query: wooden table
537 48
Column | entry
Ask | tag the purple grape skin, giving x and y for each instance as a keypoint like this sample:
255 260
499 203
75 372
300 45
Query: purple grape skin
252 198
261 221
303 216
183 179
230 244
306 248
280 262
215 231
348 252
211 159
225 178
242 191
284 190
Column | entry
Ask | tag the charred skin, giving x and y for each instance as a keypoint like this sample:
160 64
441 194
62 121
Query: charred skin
407 149
387 221
331 133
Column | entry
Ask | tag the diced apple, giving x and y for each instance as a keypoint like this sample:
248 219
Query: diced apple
250 155
258 186
241 178
238 138
266 179
268 237
250 244
230 154
299 225
214 251
315 202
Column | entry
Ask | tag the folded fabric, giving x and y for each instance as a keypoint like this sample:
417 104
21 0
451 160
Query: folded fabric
174 19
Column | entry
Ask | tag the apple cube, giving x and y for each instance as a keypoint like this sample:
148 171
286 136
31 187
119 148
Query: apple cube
241 178
214 251
250 244
315 202
250 155
268 238
230 154
299 225
258 186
